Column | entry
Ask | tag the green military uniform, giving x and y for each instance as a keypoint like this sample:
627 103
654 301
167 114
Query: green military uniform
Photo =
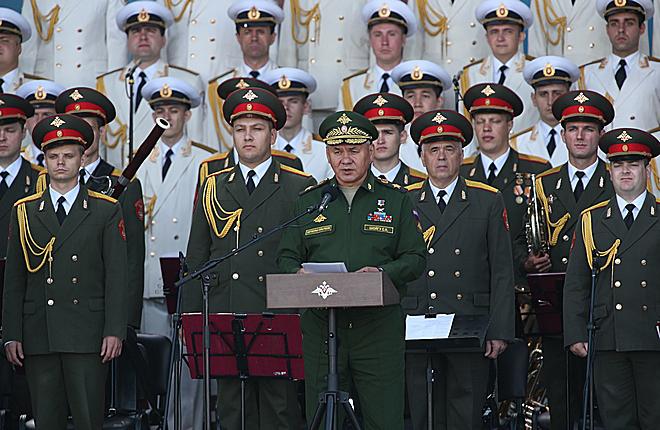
377 229
470 232
239 285
626 313
65 291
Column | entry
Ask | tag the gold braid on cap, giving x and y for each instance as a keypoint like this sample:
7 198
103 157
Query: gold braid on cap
214 211
30 247
343 134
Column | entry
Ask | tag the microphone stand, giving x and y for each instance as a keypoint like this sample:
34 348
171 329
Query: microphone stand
130 80
588 391
203 274
457 90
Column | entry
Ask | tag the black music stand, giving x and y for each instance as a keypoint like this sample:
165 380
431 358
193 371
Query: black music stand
246 346
467 334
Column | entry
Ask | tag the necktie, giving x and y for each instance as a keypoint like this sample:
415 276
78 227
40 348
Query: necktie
40 159
629 219
138 94
250 182
552 145
384 88
254 73
60 212
579 187
288 147
168 162
3 184
620 75
83 176
491 176
503 67
442 205
2 82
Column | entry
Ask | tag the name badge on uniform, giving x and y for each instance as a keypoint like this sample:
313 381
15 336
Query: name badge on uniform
379 215
319 230
372 228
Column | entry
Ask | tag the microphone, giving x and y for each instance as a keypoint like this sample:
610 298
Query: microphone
132 70
329 194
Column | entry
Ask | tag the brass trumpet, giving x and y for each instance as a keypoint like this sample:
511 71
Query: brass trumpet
536 229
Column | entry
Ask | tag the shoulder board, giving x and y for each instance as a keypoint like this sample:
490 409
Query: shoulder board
317 137
38 168
592 62
282 154
201 146
34 77
520 133
192 72
222 75
101 196
652 58
530 57
294 171
474 63
215 157
219 172
119 69
29 198
313 187
115 172
469 160
391 184
657 200
549 172
481 185
417 174
596 206
415 186
358 73
532 158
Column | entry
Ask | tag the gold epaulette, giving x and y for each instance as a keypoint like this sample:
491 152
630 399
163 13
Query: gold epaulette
216 157
110 72
417 174
474 63
222 75
657 200
532 158
652 58
391 184
42 182
520 133
192 72
592 62
415 186
549 172
219 172
33 77
469 160
596 206
202 146
481 185
282 154
37 168
358 73
115 172
317 137
529 57
294 171
96 195
313 187
29 198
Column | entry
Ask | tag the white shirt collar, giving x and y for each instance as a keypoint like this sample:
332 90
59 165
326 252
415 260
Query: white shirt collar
588 173
449 190
12 169
631 60
69 197
544 131
150 71
378 75
511 65
245 69
638 202
176 149
499 162
390 175
8 78
259 171
296 142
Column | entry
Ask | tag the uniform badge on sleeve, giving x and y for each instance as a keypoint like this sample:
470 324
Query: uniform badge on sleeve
122 229
379 215
505 218
139 209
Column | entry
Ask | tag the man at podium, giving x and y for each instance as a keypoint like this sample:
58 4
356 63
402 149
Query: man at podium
370 228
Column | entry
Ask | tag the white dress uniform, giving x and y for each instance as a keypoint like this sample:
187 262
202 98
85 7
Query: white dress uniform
15 79
656 34
332 45
78 40
41 94
581 37
12 22
450 36
535 140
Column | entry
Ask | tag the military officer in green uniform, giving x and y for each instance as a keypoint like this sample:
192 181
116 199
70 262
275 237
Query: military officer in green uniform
65 313
234 204
370 227
389 113
564 192
619 237
493 108
465 227
223 160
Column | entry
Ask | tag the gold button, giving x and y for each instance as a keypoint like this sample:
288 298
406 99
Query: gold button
194 21
234 276
74 280
643 284
74 257
51 302
472 24
340 39
153 238
341 17
449 61
312 60
459 296
49 281
58 64
570 47
152 254
174 220
619 306
153 222
212 20
58 29
457 251
312 39
569 29
643 262
565 238
260 253
193 38
192 55
591 45
431 250
431 273
472 59
260 230
645 308
591 28
75 301
617 261
457 274
617 284
564 260
58 47
261 278
449 43
433 296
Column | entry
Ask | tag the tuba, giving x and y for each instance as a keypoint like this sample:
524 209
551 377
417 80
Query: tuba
536 229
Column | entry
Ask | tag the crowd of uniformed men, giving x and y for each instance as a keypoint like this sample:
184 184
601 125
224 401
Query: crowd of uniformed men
430 119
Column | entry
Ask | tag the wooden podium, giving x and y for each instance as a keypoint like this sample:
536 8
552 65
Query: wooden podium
331 291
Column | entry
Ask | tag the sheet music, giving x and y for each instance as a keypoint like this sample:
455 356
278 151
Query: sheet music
325 267
419 327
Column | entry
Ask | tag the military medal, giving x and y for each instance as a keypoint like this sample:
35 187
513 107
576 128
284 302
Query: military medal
379 215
